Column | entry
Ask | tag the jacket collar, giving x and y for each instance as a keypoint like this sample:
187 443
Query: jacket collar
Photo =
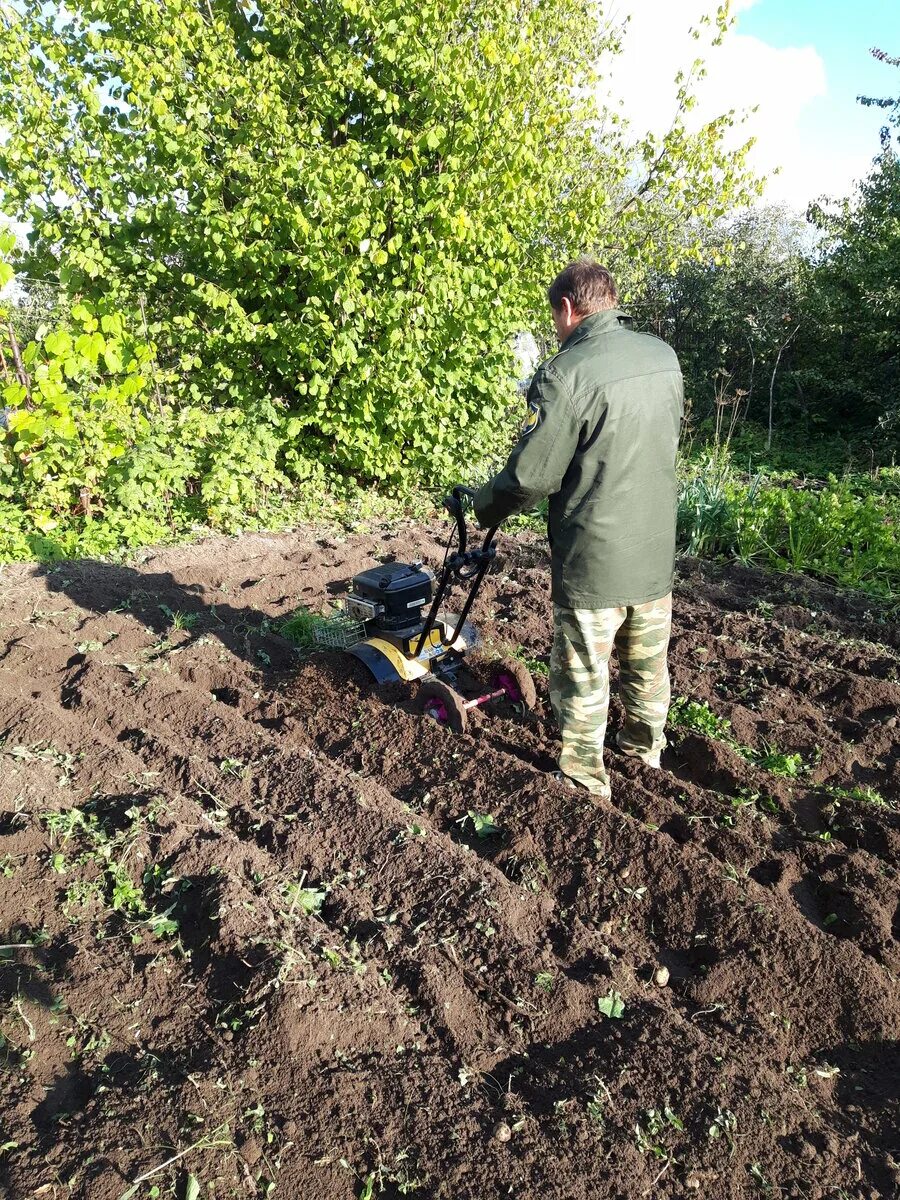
599 322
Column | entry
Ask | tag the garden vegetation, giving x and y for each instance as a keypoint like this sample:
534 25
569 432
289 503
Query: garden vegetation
286 247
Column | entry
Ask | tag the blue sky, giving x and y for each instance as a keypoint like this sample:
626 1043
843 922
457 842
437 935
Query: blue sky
799 63
842 33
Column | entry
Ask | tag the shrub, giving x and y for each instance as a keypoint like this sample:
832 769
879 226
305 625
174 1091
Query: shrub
334 214
94 457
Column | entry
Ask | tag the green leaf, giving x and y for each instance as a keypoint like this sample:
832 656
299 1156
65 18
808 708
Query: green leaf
483 824
81 312
611 1005
59 343
192 1188
112 323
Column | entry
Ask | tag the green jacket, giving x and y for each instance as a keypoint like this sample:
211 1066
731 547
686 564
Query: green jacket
600 440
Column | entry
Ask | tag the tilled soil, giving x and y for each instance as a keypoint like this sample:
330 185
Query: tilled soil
249 921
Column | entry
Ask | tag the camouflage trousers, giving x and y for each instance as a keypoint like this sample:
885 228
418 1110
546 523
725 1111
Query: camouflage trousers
583 640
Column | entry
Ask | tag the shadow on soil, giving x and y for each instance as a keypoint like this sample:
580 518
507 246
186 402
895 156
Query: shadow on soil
161 604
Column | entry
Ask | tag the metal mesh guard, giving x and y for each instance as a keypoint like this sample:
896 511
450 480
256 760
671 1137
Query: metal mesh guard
339 632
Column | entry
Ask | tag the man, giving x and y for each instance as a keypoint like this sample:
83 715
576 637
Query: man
600 439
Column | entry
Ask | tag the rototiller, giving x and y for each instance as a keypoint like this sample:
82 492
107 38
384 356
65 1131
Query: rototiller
382 624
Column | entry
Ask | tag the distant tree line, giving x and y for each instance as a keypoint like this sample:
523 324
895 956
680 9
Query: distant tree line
795 323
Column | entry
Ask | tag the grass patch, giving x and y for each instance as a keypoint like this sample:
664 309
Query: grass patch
300 628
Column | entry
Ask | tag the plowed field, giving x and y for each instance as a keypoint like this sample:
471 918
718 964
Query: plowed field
256 928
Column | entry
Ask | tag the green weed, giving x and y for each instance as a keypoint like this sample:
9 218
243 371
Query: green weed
300 628
234 767
777 763
219 1137
650 1133
308 900
45 752
611 1005
86 1039
536 666
759 1178
9 864
410 833
863 793
483 824
180 620
533 873
696 715
347 958
99 842
699 717
757 804
723 1125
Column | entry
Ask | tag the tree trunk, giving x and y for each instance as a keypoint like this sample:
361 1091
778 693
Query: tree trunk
17 359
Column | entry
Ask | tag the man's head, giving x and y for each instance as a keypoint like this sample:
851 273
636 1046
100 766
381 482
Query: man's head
582 288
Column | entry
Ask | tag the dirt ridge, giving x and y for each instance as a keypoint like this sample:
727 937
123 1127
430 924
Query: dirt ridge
252 915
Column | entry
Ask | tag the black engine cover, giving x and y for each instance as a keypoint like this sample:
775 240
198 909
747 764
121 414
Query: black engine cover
397 591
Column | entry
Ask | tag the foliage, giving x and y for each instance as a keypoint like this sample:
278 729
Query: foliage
730 310
844 531
309 900
333 216
854 364
856 289
483 824
245 324
791 456
773 317
611 1005
95 457
863 793
776 762
697 715
103 844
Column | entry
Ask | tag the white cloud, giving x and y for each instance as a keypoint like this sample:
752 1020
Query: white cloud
742 74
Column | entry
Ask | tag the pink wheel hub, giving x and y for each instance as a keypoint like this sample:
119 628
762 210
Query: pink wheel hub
437 710
510 686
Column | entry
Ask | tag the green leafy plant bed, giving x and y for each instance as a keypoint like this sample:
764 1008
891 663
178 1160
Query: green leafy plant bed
842 530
